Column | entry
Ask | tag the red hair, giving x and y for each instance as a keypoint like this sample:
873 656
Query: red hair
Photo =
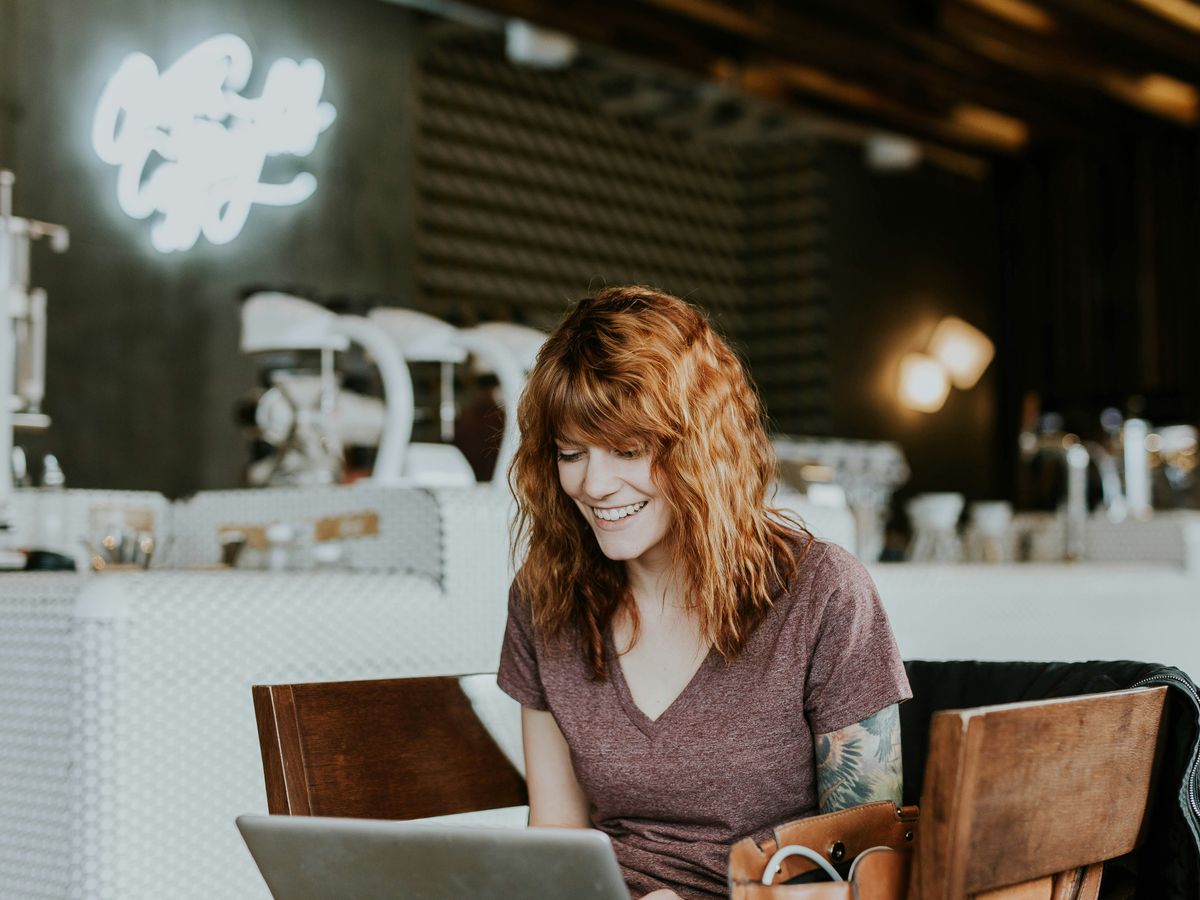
633 366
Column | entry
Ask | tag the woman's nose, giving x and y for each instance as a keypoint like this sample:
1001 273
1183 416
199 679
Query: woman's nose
600 479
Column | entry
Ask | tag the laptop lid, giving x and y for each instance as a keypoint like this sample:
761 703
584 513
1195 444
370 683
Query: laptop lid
316 858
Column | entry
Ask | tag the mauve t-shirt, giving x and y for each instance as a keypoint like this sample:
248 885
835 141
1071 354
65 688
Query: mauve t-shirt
733 754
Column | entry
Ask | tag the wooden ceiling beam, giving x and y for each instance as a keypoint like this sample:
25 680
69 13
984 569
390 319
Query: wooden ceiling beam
853 30
1184 13
1049 60
1019 60
708 51
817 88
1133 27
955 72
1020 13
630 28
835 123
902 54
1100 37
720 15
703 31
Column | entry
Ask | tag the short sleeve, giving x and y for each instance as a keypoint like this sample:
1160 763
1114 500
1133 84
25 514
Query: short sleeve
519 675
855 668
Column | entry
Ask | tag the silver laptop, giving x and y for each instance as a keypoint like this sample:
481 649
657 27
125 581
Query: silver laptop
315 858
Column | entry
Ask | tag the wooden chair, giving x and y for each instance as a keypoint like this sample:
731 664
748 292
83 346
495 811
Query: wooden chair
387 749
1024 801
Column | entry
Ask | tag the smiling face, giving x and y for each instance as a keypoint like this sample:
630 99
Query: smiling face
616 493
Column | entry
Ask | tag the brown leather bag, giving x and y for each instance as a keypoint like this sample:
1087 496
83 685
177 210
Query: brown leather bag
876 838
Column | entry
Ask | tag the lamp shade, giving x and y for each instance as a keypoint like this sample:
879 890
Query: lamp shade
963 349
924 383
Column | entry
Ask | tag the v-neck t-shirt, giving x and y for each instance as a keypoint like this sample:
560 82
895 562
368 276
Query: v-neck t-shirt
732 755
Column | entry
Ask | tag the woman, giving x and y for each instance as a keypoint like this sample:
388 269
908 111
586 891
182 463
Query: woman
692 669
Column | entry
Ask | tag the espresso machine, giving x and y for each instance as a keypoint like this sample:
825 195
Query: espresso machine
22 334
503 349
308 418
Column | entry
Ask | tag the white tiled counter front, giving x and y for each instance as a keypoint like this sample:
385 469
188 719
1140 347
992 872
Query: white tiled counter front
127 733
37 680
1044 612
135 743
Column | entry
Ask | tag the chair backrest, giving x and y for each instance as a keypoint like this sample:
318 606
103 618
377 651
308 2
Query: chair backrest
389 749
1022 791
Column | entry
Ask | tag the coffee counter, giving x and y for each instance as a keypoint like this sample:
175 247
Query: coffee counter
129 745
1029 611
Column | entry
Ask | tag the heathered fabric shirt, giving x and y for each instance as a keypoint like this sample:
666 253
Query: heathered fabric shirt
733 754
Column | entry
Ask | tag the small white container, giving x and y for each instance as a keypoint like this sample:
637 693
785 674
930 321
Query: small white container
989 537
934 519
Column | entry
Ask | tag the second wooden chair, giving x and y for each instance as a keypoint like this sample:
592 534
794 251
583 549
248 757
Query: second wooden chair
402 748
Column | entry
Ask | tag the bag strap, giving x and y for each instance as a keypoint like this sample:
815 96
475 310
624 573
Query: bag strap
775 863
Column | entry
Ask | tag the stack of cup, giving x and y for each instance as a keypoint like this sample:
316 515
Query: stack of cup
934 519
990 534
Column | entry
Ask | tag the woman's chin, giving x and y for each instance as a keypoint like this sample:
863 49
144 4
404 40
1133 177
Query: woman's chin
618 550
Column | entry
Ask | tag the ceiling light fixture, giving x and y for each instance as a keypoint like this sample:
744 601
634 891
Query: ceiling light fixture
892 153
529 45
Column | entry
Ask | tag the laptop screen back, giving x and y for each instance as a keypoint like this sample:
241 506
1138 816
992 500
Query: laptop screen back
314 858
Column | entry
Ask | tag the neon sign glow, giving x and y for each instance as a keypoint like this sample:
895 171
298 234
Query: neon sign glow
191 148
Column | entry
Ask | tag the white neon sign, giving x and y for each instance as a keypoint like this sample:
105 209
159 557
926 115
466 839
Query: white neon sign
189 147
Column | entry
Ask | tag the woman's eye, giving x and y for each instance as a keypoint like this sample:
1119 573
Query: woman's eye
569 455
629 454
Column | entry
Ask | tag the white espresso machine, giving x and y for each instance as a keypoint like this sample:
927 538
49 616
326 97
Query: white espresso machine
22 332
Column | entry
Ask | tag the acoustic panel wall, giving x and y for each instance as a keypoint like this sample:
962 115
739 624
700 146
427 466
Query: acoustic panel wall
530 193
786 318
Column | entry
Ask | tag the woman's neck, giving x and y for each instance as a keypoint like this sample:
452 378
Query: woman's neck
655 587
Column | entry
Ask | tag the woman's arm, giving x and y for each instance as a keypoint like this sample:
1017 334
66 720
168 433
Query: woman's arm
555 797
861 762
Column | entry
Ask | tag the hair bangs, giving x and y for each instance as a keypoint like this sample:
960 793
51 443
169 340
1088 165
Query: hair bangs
589 407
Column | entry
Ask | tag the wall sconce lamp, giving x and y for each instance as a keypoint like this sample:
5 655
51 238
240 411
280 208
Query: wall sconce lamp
958 353
963 349
924 383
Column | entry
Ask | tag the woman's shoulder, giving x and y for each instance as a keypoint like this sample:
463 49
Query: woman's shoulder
811 553
520 609
523 615
821 568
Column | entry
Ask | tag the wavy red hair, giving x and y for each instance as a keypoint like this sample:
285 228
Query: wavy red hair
633 366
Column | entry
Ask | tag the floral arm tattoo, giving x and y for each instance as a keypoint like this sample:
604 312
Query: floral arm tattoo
861 762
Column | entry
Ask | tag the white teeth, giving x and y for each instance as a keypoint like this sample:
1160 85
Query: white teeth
613 515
